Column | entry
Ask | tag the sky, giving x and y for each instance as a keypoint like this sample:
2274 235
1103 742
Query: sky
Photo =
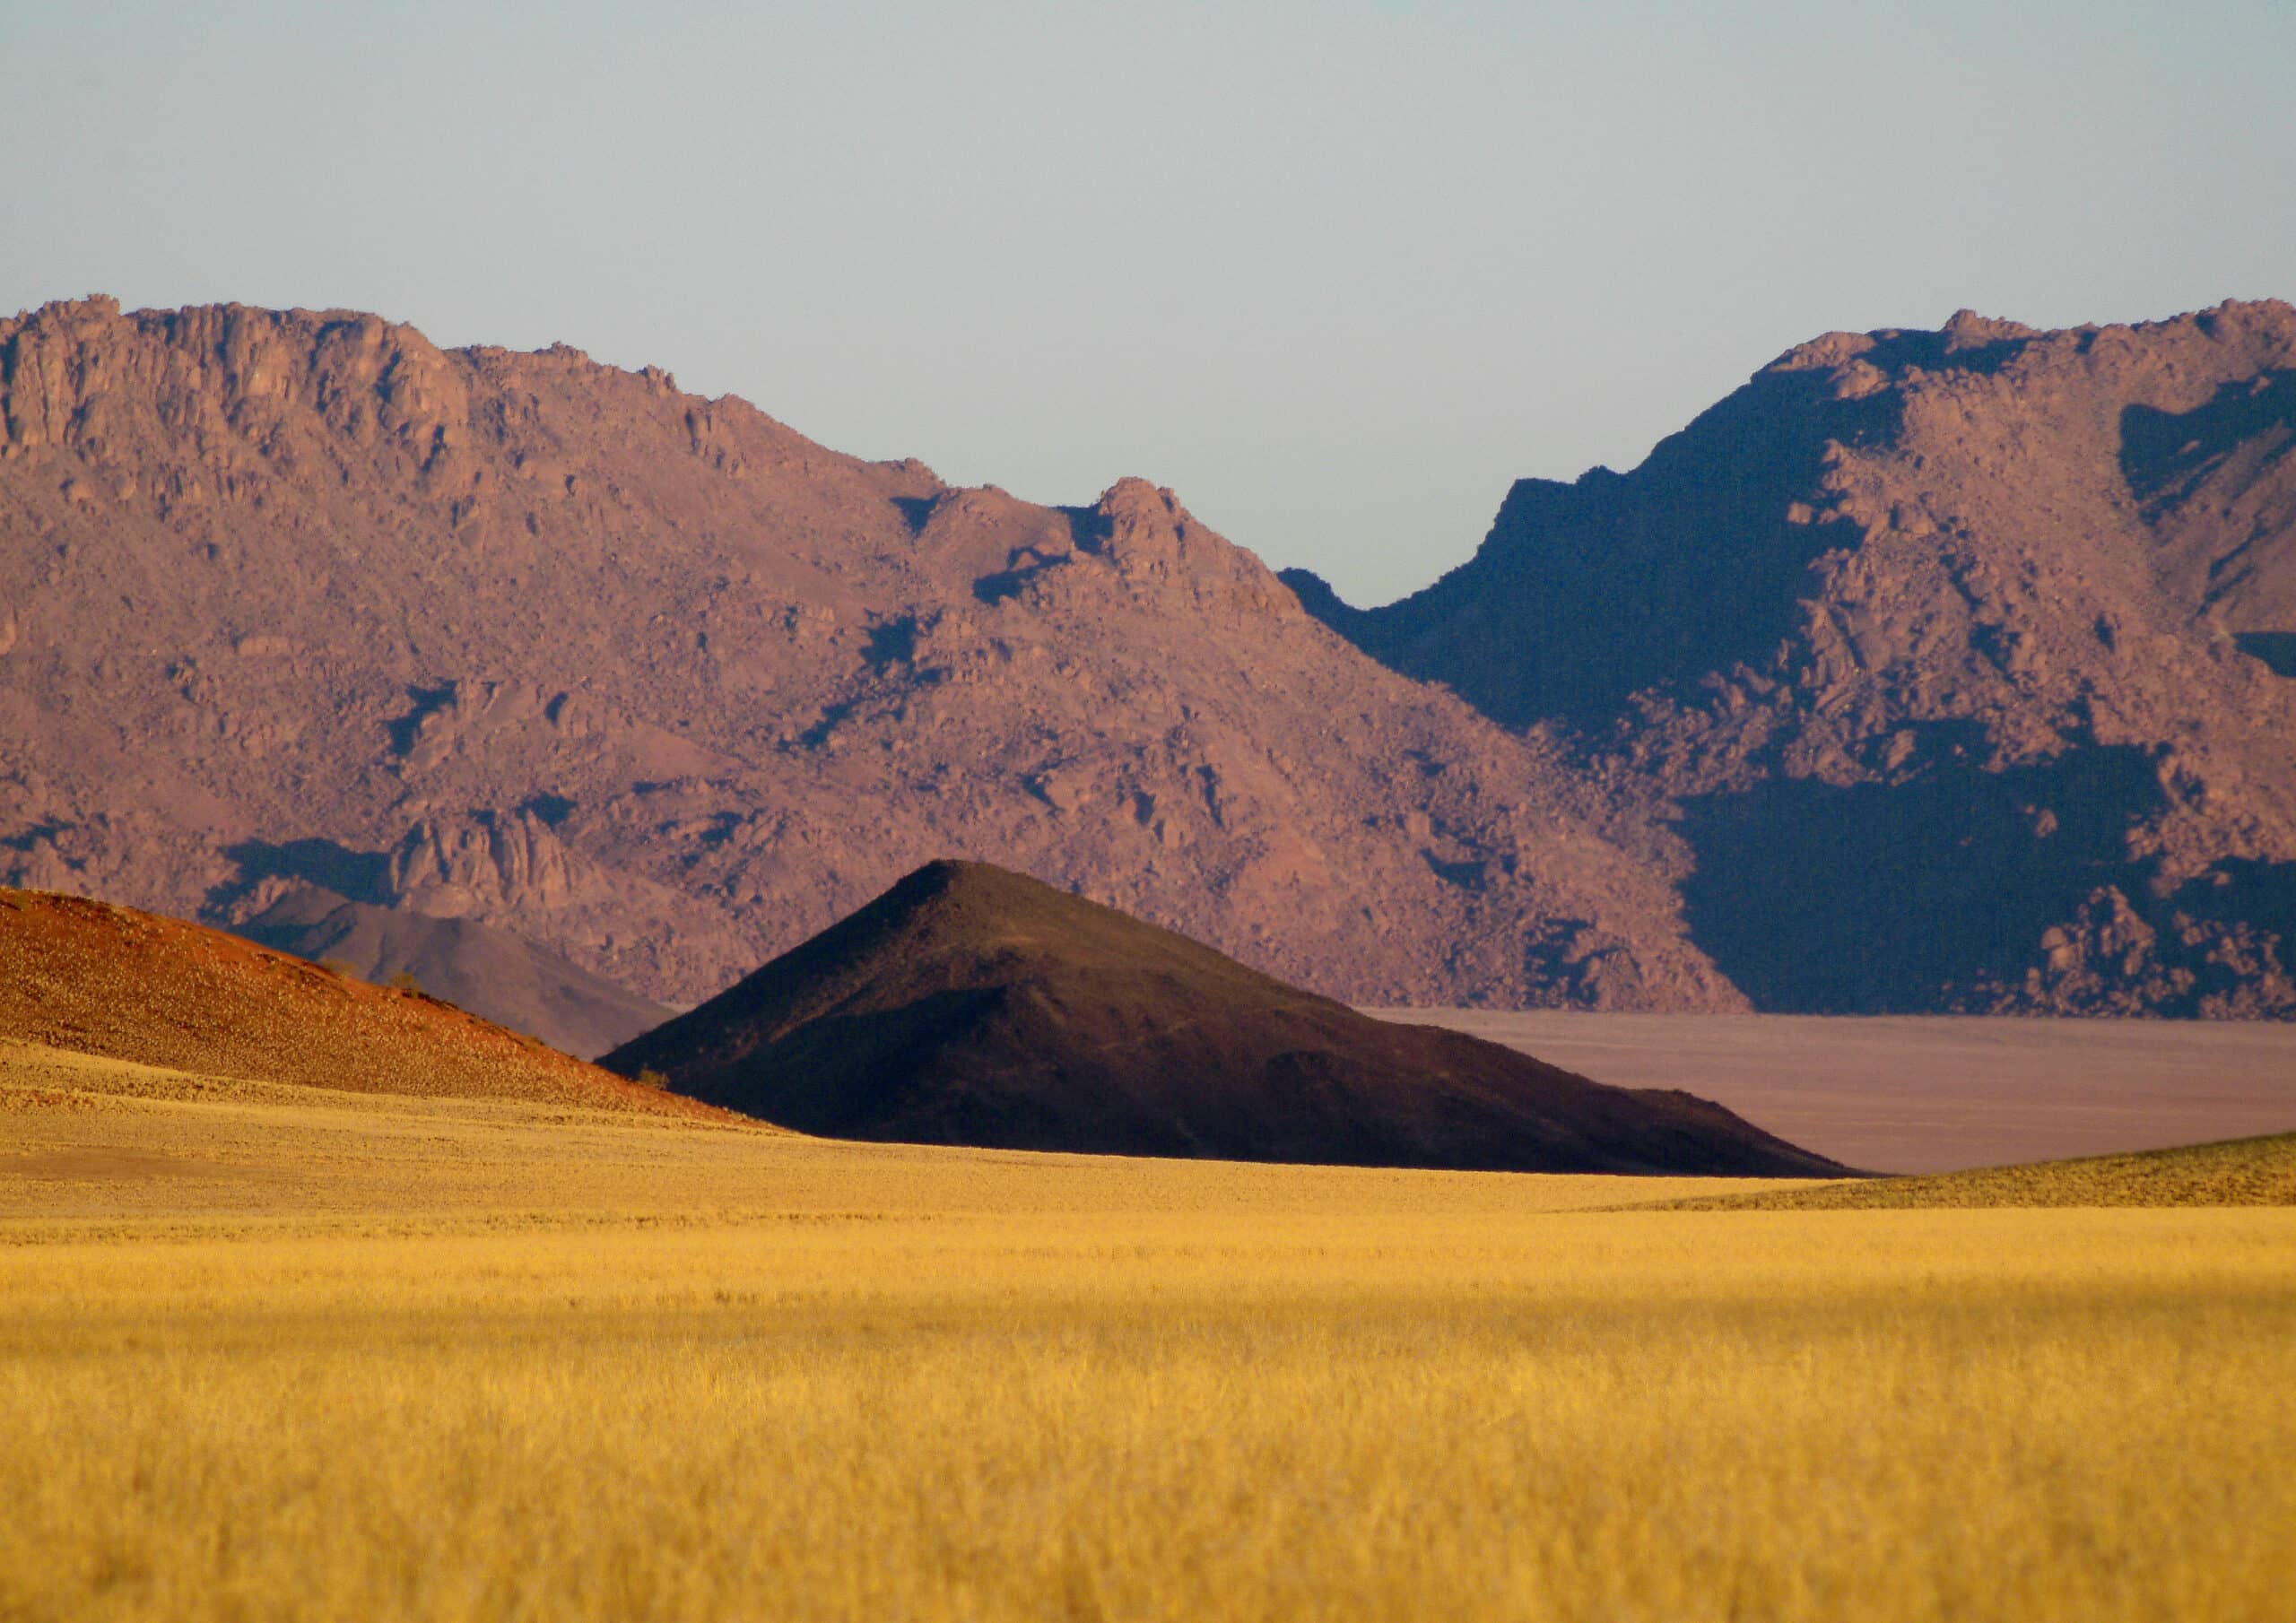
1337 272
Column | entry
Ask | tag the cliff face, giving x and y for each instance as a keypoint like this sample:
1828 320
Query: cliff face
1943 670
292 599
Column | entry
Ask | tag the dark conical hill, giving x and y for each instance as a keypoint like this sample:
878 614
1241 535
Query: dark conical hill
971 1005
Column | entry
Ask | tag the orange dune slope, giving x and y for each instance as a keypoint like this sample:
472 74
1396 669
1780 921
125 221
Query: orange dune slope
96 978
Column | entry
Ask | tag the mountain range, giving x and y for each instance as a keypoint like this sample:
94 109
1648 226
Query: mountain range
1943 670
1929 671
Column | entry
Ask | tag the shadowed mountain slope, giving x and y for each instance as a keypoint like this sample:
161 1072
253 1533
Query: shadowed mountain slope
653 681
489 972
969 1005
94 979
1942 670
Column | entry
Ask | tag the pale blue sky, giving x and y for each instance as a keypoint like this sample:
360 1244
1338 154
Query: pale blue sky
1339 272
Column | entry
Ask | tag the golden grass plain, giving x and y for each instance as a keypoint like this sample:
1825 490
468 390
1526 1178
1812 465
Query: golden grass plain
266 1352
2238 1172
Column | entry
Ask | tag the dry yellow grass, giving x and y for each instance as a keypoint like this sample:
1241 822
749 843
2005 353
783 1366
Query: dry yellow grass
2238 1172
593 1367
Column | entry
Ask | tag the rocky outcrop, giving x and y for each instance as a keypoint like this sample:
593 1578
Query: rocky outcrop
1943 670
656 684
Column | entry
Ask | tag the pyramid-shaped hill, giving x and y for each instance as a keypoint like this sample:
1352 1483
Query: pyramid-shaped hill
971 1005
95 978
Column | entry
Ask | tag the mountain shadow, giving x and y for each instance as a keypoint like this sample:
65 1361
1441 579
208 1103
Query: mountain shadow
1915 895
2276 649
2165 456
1587 592
358 876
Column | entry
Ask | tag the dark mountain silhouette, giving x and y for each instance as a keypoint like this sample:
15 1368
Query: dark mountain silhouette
489 972
659 685
1940 670
969 1005
94 979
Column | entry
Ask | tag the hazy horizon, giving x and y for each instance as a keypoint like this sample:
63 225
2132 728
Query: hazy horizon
1338 276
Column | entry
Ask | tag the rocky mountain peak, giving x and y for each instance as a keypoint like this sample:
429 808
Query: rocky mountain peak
659 684
1991 603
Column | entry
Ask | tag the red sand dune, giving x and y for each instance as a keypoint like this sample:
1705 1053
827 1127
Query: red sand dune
101 979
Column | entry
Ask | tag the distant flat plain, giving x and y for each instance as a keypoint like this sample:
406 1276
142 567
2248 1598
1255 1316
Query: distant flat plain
1933 1093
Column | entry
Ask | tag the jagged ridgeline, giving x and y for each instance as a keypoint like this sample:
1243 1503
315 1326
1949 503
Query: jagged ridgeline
1951 669
1929 671
655 683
